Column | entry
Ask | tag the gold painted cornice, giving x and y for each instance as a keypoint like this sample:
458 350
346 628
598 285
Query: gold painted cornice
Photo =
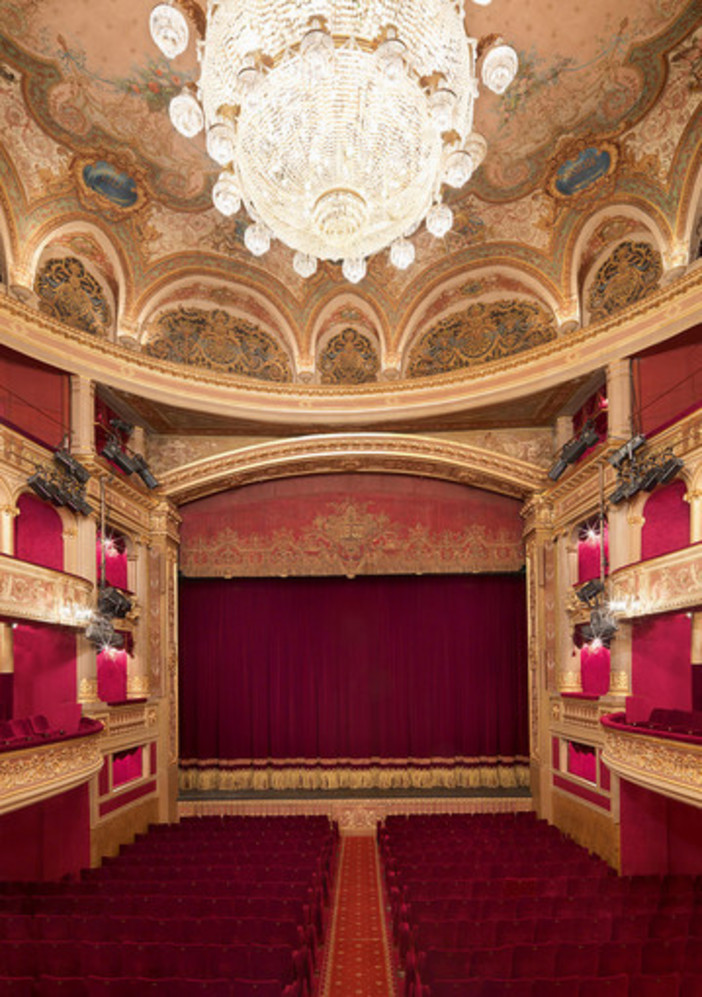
344 452
34 774
663 584
671 768
124 726
670 310
30 592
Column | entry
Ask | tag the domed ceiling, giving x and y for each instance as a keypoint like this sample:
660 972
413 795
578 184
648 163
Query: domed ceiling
585 201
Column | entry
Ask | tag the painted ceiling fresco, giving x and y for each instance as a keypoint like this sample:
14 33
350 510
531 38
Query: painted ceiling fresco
605 110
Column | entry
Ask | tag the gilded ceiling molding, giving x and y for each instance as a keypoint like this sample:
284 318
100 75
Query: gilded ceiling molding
33 774
69 292
42 595
348 357
663 765
371 310
670 310
631 271
331 454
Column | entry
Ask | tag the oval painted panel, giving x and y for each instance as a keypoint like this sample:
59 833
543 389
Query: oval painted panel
106 180
576 175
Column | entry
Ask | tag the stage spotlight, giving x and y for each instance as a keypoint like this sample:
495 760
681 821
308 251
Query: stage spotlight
40 486
574 450
589 436
627 450
557 470
617 495
121 426
651 477
144 471
669 468
111 602
71 466
113 451
102 634
590 590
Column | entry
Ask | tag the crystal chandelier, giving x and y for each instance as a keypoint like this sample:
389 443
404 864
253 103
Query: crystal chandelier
336 122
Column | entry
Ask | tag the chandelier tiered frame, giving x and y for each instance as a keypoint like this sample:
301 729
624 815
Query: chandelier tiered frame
336 122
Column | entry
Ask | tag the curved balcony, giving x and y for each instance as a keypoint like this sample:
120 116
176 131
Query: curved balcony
42 595
660 585
665 762
47 768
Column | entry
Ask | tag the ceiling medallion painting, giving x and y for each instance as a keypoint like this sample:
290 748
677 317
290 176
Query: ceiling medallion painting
349 358
109 185
584 169
219 341
631 272
69 293
482 332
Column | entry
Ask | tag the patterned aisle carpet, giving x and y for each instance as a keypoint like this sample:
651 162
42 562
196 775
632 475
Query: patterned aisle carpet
358 956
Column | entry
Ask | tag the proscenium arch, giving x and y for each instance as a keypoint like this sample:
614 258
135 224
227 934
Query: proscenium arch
420 456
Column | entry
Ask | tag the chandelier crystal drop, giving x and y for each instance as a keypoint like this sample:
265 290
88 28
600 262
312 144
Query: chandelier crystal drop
402 253
169 29
304 265
340 120
226 195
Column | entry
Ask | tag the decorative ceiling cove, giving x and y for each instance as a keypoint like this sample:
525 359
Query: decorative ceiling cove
595 146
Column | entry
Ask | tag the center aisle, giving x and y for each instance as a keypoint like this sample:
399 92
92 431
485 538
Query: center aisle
358 960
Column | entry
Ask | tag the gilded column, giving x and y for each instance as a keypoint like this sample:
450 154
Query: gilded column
538 527
619 399
7 528
162 603
567 677
82 416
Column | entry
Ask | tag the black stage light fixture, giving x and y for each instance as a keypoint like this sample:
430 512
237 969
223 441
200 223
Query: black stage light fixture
76 501
589 436
70 465
111 602
558 468
122 426
590 590
102 634
144 471
669 468
627 450
114 453
651 477
40 486
573 450
617 495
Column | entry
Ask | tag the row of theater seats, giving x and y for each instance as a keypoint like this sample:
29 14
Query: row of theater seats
507 915
131 924
27 732
680 722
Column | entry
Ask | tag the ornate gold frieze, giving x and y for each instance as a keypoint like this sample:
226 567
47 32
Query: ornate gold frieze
30 592
349 538
349 357
659 316
37 773
388 452
263 778
67 291
632 271
672 768
663 584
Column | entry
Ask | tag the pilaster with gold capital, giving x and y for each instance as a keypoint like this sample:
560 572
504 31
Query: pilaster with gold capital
694 498
82 416
7 528
619 399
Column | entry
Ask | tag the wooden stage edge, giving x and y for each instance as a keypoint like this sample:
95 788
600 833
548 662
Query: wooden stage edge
356 816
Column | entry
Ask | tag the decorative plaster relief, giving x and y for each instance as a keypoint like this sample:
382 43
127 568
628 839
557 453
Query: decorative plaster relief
35 774
671 768
30 592
663 584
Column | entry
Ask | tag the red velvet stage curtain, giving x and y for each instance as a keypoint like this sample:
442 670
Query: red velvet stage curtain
38 533
392 667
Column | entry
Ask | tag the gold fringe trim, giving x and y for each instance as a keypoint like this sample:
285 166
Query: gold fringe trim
262 779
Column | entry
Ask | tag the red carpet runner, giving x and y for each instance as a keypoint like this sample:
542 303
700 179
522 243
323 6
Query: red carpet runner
358 960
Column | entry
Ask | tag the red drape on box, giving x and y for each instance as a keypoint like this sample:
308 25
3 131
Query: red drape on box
45 669
394 667
661 672
589 556
112 676
38 533
594 670
34 398
666 521
115 561
127 765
